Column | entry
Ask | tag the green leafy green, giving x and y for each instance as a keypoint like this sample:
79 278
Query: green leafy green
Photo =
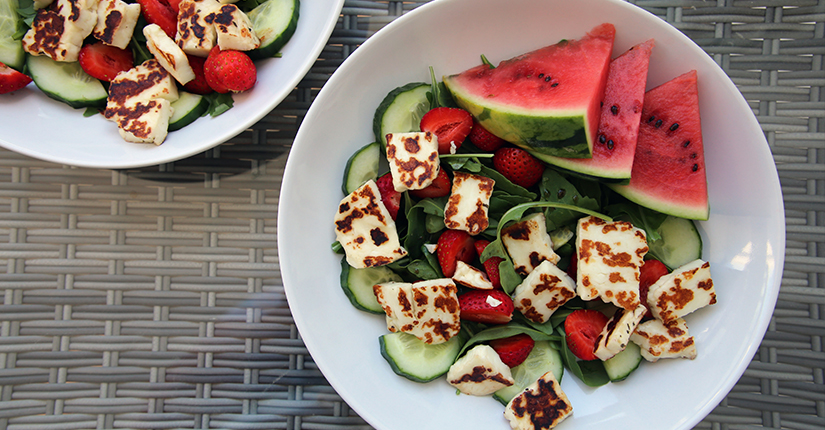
484 60
591 373
503 331
556 188
643 218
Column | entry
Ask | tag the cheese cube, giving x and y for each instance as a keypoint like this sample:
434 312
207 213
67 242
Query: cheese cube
365 229
610 255
615 335
542 405
168 53
116 22
658 340
682 291
543 291
146 81
429 310
471 277
150 122
468 203
233 28
413 159
480 372
528 243
196 36
59 32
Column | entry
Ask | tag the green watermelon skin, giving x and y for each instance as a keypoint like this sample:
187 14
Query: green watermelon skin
669 166
546 100
621 110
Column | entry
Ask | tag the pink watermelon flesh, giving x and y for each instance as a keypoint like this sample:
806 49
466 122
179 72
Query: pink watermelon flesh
546 100
669 167
621 110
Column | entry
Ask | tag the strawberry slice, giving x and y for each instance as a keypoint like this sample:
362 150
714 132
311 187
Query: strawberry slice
12 80
518 166
583 326
103 61
160 12
649 273
486 306
491 264
513 350
440 187
450 125
452 246
483 139
390 197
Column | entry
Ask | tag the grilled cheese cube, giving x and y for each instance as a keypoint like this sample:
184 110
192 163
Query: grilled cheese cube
543 291
528 243
610 255
413 159
233 29
365 229
196 36
658 340
168 53
615 335
148 123
468 203
542 405
480 372
59 32
471 277
428 310
682 291
148 80
116 22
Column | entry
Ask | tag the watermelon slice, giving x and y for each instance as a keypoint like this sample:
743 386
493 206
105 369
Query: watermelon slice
619 121
546 100
669 167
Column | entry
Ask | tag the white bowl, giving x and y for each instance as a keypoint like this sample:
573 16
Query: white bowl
37 126
743 239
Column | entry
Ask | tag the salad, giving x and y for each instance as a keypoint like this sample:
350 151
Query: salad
478 256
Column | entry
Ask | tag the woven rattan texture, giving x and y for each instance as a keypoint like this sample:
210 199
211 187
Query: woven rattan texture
151 298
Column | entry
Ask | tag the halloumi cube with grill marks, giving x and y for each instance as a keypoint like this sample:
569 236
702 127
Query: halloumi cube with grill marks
429 310
468 203
616 334
233 29
610 255
542 405
196 36
413 159
168 53
543 291
365 229
116 22
528 243
659 340
682 291
480 372
471 277
59 32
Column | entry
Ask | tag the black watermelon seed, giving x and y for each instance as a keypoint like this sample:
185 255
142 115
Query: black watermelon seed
554 85
649 120
602 139
686 144
614 110
674 126
658 123
541 75
548 79
693 155
695 167
610 144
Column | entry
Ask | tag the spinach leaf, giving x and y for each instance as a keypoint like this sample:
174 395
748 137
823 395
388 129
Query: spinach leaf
641 217
556 188
502 331
591 373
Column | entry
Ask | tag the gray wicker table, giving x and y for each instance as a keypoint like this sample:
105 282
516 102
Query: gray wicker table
151 298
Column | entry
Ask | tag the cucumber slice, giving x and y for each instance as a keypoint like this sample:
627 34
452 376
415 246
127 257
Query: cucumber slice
66 82
11 49
274 22
401 111
680 243
357 285
624 363
417 361
361 167
542 358
186 109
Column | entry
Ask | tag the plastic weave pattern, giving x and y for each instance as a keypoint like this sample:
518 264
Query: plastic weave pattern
151 298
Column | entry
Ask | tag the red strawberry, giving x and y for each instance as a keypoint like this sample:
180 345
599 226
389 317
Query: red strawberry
483 139
582 327
229 70
513 350
491 264
650 272
450 125
199 84
486 306
161 13
572 267
390 197
518 166
12 80
441 186
452 246
103 61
